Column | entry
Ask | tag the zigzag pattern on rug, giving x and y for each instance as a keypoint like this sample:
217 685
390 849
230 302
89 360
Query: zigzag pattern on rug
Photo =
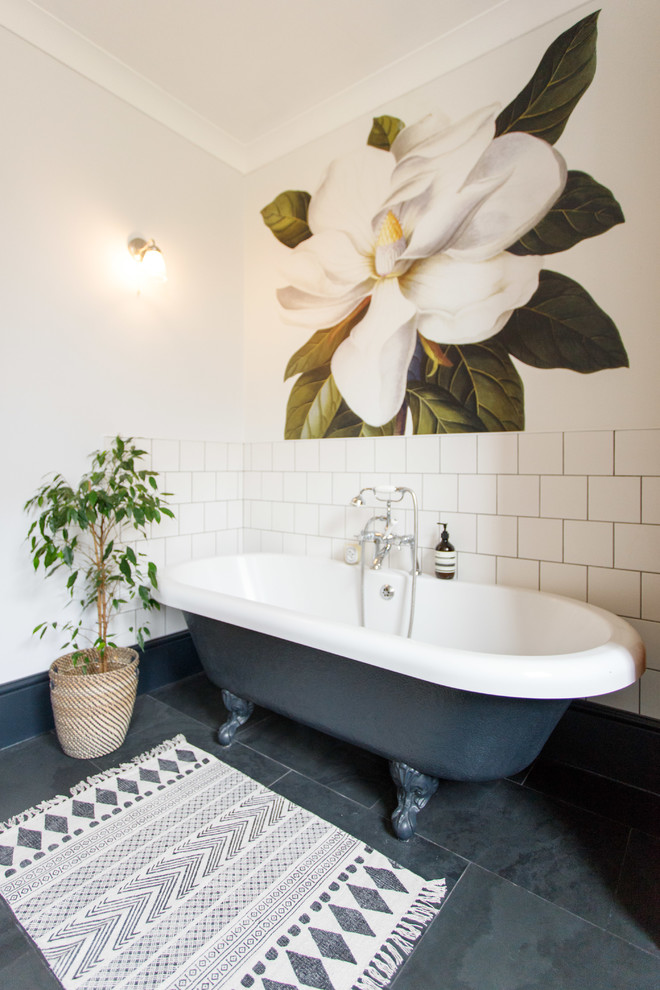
176 870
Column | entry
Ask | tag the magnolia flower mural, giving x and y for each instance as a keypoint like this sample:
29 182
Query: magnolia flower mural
419 263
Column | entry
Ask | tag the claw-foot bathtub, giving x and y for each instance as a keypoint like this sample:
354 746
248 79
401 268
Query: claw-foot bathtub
472 696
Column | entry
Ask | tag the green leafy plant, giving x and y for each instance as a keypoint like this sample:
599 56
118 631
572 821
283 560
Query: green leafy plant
472 387
80 530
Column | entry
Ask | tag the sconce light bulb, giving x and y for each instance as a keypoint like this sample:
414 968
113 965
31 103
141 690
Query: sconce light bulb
153 264
149 257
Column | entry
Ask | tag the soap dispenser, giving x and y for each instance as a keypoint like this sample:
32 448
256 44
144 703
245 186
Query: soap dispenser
445 556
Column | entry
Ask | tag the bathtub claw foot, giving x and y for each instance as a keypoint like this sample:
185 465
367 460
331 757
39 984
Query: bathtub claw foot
240 711
414 789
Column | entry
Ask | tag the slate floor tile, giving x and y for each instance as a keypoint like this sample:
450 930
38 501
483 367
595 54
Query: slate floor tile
248 761
423 857
35 771
493 935
160 722
21 965
568 856
198 697
333 807
550 887
28 972
13 941
344 768
636 911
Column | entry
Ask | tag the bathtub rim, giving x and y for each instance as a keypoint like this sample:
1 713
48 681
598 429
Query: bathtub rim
612 665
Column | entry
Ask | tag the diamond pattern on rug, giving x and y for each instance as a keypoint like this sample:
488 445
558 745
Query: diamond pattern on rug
310 972
369 900
56 823
331 945
176 871
82 809
29 837
385 879
49 830
351 920
325 958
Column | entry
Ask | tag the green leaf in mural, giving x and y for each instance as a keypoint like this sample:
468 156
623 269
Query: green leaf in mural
484 380
562 327
322 345
383 132
286 216
564 73
584 209
387 430
347 424
436 410
313 404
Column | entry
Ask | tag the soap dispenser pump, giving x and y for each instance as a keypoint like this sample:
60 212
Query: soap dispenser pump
445 556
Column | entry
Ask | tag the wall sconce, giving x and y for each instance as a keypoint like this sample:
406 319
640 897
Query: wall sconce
149 257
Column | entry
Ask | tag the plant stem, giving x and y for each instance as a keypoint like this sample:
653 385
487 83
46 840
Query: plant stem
99 539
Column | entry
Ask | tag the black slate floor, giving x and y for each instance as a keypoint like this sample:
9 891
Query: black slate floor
553 876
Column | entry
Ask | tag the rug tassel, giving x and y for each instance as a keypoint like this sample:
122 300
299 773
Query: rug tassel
385 965
30 813
427 903
98 778
39 809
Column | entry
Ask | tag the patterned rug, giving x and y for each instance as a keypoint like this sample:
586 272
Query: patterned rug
177 872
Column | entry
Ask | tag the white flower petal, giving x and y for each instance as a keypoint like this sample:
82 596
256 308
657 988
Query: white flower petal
351 193
458 198
370 367
318 312
440 161
327 263
444 217
534 174
434 135
329 277
461 302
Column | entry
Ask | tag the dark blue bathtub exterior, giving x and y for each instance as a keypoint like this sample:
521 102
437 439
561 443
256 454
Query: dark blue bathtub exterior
426 731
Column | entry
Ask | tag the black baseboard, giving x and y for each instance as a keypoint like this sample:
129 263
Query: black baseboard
167 659
25 709
591 737
609 742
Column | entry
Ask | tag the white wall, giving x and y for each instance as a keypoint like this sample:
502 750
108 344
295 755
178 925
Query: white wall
588 524
200 360
82 356
609 135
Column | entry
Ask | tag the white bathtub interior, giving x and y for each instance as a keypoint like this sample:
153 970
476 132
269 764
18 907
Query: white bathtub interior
483 638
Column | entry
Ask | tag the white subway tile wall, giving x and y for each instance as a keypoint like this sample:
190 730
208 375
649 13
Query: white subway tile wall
618 499
574 513
650 501
589 453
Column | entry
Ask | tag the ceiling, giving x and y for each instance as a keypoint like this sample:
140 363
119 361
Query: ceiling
249 80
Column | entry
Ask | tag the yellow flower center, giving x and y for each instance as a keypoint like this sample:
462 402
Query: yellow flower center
390 245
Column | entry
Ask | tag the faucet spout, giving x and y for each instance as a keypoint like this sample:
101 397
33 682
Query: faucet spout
388 540
380 555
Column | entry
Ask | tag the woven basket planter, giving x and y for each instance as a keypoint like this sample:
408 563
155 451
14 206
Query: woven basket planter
93 711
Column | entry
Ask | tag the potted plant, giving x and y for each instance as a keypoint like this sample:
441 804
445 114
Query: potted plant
84 531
